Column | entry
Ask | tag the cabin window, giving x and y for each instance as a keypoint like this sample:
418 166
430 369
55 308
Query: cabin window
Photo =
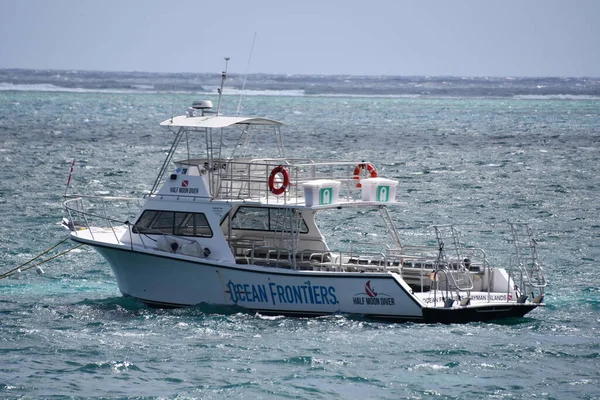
265 219
173 223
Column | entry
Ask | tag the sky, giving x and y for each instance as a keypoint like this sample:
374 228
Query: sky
323 37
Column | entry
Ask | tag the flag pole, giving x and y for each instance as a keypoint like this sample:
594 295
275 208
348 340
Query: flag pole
70 174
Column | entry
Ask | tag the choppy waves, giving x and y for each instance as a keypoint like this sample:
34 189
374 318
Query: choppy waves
302 85
69 333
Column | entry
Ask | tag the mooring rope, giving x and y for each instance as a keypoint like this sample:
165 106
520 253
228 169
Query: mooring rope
9 273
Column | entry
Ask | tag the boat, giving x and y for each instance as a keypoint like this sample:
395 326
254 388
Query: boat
225 226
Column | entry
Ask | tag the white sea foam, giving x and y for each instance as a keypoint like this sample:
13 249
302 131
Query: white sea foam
146 88
47 87
237 92
555 97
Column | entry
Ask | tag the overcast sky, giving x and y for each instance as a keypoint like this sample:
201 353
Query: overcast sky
358 37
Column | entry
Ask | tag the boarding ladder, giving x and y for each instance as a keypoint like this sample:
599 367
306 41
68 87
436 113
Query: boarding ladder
391 227
286 232
526 257
451 261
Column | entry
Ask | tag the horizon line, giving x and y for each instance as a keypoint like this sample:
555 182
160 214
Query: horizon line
302 74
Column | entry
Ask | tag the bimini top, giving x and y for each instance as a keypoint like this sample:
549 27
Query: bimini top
214 121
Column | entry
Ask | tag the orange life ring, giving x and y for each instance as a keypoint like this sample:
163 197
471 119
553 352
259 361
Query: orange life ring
286 180
360 167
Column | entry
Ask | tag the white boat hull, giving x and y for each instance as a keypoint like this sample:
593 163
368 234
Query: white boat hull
163 280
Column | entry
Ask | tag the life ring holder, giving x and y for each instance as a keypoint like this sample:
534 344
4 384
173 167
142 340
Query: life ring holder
361 167
286 180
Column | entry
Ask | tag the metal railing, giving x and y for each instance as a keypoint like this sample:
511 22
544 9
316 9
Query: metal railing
525 260
84 211
249 178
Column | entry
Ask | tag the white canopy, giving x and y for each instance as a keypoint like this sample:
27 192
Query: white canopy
213 121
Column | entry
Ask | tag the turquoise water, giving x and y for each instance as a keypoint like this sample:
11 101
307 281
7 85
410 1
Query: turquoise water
473 161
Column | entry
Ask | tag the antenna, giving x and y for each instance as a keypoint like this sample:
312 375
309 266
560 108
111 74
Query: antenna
245 76
223 77
172 106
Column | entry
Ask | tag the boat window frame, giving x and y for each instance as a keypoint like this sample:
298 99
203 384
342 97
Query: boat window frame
179 225
270 220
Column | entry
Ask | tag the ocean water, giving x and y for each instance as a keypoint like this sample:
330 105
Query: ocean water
470 151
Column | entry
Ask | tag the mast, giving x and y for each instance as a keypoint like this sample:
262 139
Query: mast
223 77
